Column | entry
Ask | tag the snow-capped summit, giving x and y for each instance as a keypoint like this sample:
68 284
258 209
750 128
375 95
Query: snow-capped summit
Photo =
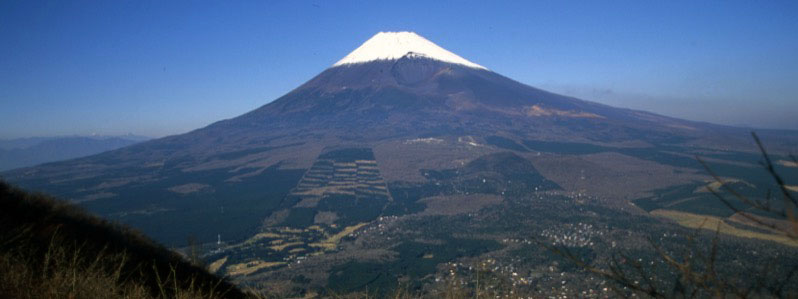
395 45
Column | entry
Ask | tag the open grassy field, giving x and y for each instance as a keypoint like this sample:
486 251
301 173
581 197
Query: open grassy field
331 242
716 223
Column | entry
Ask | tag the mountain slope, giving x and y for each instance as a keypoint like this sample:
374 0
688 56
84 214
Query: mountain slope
51 249
417 109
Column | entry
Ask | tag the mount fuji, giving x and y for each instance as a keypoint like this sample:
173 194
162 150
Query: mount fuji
400 128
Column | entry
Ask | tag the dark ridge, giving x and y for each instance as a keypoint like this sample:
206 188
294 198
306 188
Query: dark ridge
32 224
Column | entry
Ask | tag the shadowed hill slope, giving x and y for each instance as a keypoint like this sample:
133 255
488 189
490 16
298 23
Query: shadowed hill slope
51 249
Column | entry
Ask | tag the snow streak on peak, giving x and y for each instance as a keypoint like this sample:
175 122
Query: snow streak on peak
395 45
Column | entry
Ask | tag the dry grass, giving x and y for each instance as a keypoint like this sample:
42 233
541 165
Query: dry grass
216 265
251 267
281 246
713 223
51 249
332 242
67 270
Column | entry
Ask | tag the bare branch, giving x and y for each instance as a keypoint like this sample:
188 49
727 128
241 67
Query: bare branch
772 171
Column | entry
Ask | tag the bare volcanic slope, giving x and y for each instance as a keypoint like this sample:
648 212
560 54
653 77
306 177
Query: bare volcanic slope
427 122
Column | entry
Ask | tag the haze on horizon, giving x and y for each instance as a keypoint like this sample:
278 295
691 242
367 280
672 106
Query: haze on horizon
156 69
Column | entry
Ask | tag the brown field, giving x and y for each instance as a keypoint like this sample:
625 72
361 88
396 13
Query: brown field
250 267
332 241
458 204
715 223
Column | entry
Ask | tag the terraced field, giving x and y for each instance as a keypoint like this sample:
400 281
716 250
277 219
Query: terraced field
340 193
339 176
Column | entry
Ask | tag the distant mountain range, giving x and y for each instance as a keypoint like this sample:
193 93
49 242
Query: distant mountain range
23 152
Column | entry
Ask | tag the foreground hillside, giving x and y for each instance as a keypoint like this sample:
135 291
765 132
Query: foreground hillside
51 249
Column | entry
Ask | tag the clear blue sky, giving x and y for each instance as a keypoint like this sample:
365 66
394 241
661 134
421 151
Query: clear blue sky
165 67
